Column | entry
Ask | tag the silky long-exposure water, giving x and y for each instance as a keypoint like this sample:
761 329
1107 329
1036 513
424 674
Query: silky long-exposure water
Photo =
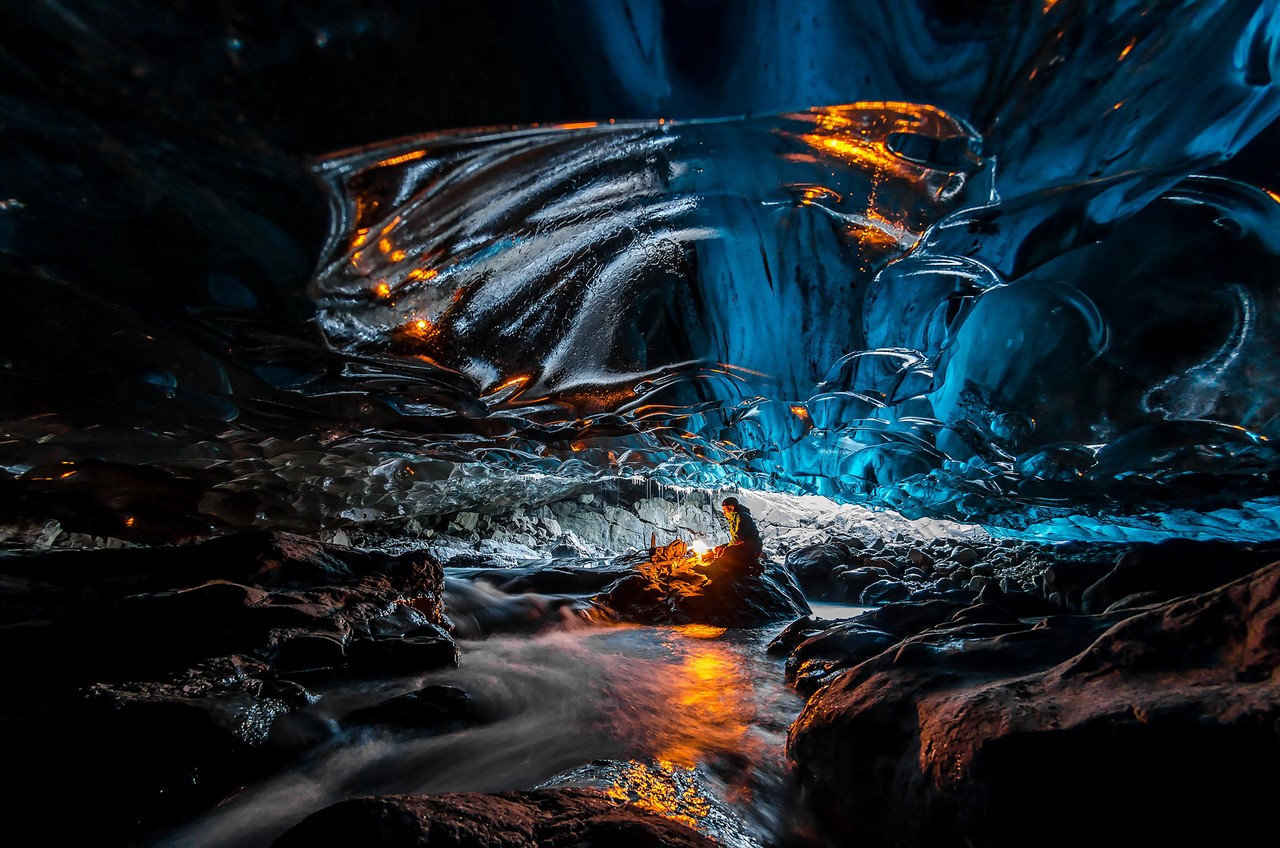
687 721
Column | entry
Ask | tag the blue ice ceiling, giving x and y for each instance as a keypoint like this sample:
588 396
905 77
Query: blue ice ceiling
1007 262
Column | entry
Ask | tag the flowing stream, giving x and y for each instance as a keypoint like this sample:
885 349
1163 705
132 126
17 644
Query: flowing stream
689 721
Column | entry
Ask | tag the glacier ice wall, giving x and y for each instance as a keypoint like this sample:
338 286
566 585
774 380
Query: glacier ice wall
1024 275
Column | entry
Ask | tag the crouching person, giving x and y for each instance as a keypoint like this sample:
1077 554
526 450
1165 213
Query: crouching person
742 555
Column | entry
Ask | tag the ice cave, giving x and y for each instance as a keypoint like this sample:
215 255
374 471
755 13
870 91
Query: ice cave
756 423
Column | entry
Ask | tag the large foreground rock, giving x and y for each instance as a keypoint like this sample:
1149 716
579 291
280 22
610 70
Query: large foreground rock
165 678
547 818
1164 728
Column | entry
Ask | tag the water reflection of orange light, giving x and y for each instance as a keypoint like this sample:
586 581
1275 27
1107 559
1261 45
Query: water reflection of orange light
658 788
712 707
382 290
398 256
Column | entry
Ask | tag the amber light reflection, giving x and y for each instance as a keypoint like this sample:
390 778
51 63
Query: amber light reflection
710 698
661 788
710 712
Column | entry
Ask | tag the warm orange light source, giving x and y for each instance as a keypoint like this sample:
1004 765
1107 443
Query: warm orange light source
419 329
402 158
699 547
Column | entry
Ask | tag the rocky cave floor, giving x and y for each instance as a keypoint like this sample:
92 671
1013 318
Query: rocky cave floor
993 693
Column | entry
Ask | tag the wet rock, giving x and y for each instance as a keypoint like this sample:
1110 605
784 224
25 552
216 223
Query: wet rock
159 669
857 579
981 613
310 652
425 649
919 558
957 738
820 657
1064 582
1017 602
545 818
438 708
1136 600
795 633
889 564
884 591
907 619
813 565
1173 568
943 590
659 595
164 750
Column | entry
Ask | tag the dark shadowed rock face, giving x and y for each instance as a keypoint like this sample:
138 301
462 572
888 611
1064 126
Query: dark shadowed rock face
549 818
166 677
1149 726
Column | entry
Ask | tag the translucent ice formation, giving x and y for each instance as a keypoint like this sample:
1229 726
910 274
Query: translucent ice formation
1046 303
603 268
797 302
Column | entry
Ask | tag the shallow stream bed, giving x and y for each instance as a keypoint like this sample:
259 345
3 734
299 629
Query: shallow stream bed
689 721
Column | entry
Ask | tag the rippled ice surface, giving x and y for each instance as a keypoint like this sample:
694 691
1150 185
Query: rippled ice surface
692 719
1050 306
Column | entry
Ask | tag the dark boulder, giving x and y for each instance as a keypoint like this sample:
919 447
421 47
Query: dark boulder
855 580
660 595
1175 567
166 677
818 658
812 566
546 818
1063 583
1163 718
795 633
437 708
885 592
425 649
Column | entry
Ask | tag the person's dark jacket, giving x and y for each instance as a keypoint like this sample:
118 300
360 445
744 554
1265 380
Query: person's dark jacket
742 528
